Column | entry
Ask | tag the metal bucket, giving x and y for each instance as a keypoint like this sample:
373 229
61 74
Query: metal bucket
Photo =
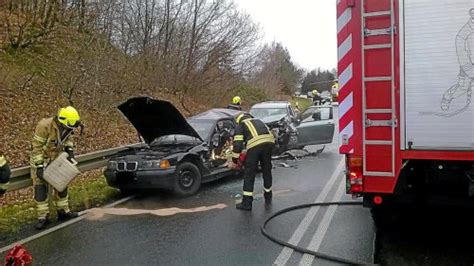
61 172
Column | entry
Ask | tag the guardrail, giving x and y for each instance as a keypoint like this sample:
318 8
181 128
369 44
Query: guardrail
20 177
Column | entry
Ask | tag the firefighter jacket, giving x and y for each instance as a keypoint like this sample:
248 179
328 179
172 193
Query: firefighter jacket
234 107
250 132
4 174
49 141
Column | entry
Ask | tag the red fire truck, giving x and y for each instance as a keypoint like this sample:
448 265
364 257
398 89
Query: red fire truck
406 120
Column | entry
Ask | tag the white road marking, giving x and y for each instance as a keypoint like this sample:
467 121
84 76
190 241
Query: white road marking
286 252
318 237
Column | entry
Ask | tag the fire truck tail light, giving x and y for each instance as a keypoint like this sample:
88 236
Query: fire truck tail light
355 180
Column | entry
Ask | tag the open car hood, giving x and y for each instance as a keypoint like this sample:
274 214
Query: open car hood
156 118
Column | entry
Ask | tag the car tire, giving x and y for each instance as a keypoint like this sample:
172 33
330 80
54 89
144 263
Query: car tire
187 179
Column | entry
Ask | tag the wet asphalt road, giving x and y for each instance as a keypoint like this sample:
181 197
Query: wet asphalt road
427 235
223 236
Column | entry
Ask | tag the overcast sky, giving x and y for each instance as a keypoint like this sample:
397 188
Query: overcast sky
306 27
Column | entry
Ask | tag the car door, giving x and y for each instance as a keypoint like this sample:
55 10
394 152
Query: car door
317 126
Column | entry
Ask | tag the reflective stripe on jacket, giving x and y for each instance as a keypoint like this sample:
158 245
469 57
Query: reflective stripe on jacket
3 161
250 132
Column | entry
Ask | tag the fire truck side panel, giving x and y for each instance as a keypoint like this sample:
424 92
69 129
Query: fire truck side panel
438 42
406 72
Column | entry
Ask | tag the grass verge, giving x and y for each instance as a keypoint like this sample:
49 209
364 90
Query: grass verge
84 193
303 103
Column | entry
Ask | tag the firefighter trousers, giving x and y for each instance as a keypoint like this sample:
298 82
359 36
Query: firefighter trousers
260 154
41 196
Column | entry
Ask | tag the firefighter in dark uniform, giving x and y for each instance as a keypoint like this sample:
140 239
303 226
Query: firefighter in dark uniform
236 104
4 175
259 142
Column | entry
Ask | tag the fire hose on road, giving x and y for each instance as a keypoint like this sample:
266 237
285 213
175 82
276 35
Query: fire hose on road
304 250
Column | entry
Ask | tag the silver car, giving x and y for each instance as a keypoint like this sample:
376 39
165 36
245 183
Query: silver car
315 125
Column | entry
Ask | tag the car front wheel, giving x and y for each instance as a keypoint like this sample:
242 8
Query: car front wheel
187 179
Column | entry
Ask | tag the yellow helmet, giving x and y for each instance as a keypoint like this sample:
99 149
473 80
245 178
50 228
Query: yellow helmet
236 100
69 117
315 92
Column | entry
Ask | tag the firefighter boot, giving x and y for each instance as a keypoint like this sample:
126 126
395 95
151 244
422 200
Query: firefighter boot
246 204
64 216
268 197
42 223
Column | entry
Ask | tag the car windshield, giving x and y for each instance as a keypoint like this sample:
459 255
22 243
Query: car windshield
203 128
266 112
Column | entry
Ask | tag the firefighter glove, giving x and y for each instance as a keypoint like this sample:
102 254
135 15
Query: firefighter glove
40 172
70 153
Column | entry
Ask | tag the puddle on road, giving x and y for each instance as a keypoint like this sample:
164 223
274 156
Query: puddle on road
98 213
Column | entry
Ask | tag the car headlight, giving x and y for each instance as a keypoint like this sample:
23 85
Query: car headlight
151 164
165 164
162 164
112 165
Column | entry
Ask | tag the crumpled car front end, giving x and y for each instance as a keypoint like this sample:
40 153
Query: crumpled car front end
137 171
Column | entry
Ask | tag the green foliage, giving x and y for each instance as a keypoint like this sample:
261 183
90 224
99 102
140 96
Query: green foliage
277 72
14 215
288 71
318 79
91 194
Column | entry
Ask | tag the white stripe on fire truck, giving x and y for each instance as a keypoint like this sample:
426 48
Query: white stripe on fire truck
345 105
348 131
343 19
345 76
344 48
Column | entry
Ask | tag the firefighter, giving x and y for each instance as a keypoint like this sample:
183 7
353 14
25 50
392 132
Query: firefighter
259 142
52 136
236 104
4 175
316 97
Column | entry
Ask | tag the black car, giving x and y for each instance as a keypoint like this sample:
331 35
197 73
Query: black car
178 154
